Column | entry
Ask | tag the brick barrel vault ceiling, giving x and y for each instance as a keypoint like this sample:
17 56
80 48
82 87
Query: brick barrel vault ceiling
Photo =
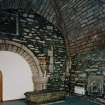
42 7
46 8
83 24
50 9
75 18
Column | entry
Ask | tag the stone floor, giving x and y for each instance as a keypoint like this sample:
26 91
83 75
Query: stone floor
68 101
19 102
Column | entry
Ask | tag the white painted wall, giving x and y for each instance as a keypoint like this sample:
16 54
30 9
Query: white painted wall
17 76
79 90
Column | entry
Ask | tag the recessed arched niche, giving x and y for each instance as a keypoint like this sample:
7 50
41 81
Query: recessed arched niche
46 44
8 53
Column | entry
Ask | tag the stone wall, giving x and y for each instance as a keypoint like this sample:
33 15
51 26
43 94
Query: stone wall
87 65
45 41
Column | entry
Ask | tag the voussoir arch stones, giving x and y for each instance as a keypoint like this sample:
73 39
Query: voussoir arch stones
37 75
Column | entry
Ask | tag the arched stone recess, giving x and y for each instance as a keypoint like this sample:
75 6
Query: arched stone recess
39 79
45 41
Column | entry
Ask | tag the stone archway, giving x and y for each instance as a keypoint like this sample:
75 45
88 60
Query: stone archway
37 76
